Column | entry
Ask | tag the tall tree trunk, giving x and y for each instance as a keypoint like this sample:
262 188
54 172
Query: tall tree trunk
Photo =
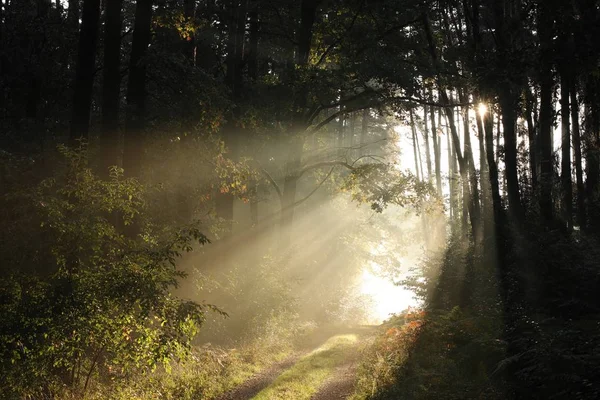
508 102
546 33
436 152
486 194
308 10
532 136
253 76
73 29
364 131
253 41
111 87
472 171
133 149
234 80
86 67
581 215
427 147
566 180
415 145
451 179
488 126
189 45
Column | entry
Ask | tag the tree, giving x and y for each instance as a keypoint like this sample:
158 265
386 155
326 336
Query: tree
86 69
136 122
111 86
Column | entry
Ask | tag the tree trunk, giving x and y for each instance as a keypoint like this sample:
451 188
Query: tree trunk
427 148
566 180
545 29
111 87
189 45
493 167
86 68
415 145
472 171
364 131
253 76
234 80
531 133
133 149
578 158
73 29
508 102
308 10
253 42
436 153
486 195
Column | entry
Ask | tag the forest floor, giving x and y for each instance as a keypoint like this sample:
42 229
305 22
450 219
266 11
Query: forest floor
325 368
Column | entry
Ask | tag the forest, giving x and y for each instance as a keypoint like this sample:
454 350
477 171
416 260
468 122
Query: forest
310 199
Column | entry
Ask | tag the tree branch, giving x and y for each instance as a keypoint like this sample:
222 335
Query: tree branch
271 180
297 203
323 164
339 39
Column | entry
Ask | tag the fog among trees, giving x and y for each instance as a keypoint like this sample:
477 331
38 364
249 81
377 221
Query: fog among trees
312 199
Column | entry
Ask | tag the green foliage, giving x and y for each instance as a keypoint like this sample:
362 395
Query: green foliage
212 370
431 355
383 184
82 298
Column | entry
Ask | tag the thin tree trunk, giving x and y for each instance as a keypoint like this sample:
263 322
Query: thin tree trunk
545 29
531 132
472 171
509 121
189 45
566 180
427 148
234 80
86 68
308 9
364 131
486 195
493 167
253 76
133 148
581 217
111 87
415 145
436 152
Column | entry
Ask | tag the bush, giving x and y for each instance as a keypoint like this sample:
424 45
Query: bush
89 295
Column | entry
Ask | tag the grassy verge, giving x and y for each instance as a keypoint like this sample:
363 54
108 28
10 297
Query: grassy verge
208 373
210 370
304 379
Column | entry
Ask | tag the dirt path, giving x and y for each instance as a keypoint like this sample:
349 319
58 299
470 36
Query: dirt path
338 385
258 382
341 384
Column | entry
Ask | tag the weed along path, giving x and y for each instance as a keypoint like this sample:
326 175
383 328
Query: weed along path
326 372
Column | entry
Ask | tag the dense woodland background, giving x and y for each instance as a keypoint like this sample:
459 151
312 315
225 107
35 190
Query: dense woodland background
132 132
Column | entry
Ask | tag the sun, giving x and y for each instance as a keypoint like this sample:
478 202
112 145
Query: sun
482 109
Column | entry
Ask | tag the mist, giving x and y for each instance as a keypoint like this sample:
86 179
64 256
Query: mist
299 200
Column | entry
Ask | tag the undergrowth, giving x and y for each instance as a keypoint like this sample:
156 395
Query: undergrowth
210 370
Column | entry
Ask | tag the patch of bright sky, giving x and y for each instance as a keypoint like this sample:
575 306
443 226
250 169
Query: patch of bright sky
404 143
387 298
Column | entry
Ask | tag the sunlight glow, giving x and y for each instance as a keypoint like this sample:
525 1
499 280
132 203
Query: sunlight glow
388 298
482 109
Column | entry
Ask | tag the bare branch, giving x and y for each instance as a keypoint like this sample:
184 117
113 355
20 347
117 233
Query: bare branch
271 180
297 203
323 164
